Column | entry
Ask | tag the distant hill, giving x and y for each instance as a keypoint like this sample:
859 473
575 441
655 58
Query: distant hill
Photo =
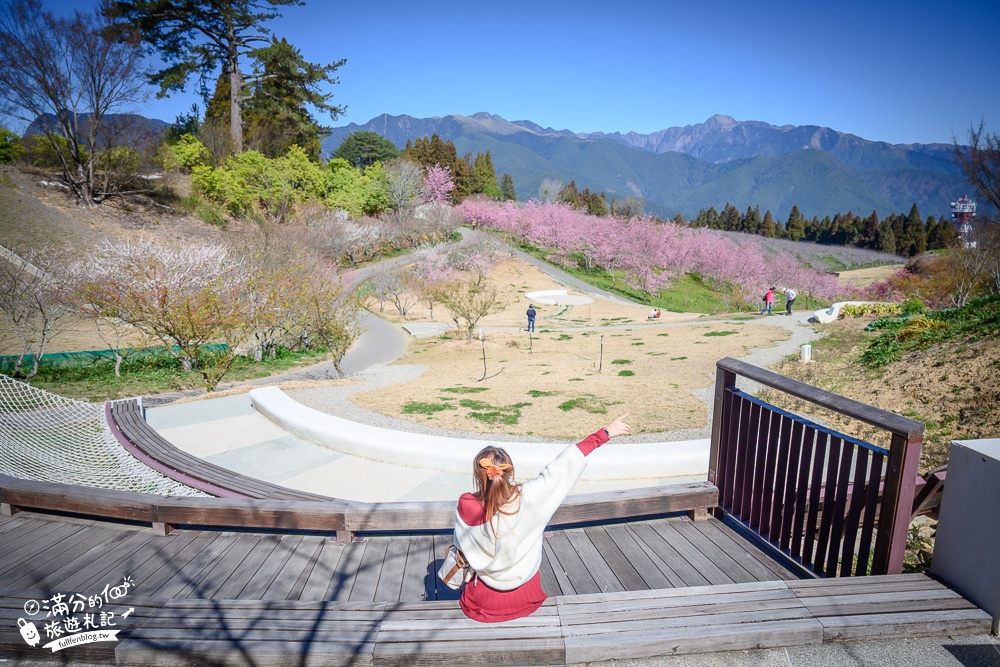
684 169
129 129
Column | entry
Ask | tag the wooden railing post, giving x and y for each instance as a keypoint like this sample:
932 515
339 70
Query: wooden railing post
894 516
723 379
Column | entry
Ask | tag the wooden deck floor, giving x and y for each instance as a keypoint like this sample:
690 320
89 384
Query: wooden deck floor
39 552
631 590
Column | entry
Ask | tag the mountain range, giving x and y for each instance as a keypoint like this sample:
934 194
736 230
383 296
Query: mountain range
720 161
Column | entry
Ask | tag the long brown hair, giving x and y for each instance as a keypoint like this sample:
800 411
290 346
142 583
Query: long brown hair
494 493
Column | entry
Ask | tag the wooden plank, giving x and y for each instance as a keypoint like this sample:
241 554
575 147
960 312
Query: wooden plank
712 552
674 567
563 583
294 572
604 576
501 652
716 616
107 566
323 571
186 580
571 564
653 571
253 513
741 551
418 576
686 640
169 560
654 607
215 576
342 582
180 652
881 603
26 546
872 584
243 571
550 584
79 499
390 578
674 533
625 572
907 624
50 567
370 570
270 568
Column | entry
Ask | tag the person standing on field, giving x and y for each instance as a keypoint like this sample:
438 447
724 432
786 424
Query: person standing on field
768 302
531 317
789 299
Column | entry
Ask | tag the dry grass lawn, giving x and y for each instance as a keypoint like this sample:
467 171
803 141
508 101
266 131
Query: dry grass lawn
583 366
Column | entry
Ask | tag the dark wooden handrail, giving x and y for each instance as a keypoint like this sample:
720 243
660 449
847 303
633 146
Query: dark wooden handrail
776 471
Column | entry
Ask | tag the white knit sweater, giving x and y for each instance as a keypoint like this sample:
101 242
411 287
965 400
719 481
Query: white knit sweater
507 551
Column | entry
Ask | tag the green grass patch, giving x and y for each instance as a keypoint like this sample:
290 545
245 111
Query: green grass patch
621 361
538 393
508 415
563 337
638 342
677 358
720 333
588 403
424 408
662 334
626 373
144 376
575 380
465 390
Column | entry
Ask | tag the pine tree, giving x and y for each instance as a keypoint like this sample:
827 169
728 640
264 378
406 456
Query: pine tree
795 228
507 187
768 227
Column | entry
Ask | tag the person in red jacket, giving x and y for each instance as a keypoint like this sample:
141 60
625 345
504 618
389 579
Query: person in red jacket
768 302
500 527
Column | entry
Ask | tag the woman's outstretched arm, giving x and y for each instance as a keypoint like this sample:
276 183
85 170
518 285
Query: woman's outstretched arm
595 440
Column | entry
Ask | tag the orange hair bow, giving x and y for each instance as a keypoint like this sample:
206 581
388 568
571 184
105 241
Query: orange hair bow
494 471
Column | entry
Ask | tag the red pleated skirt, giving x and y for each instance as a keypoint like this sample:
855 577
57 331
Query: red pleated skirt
489 605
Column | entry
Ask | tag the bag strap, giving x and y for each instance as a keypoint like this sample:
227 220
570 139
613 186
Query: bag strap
460 562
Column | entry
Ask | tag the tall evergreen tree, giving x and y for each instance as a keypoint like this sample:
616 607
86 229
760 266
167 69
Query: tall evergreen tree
284 88
507 187
750 224
795 228
913 241
768 227
201 37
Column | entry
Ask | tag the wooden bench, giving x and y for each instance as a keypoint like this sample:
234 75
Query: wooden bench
565 630
344 518
135 434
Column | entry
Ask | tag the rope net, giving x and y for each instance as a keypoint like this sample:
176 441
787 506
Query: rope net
49 438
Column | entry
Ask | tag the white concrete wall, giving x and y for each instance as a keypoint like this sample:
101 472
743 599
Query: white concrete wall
614 461
967 546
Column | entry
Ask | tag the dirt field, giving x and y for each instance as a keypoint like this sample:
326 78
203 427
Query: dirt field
583 361
865 277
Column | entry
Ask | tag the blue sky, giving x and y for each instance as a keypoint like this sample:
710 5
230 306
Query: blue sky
902 72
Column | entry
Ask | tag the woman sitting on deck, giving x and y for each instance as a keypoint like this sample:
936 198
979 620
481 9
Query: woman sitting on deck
499 528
